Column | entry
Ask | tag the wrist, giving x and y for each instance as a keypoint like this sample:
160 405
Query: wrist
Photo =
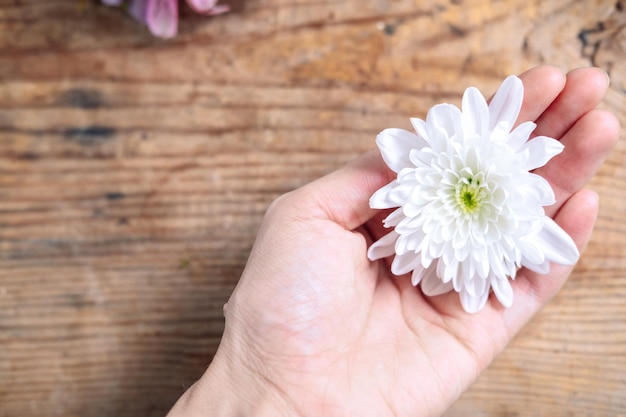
230 389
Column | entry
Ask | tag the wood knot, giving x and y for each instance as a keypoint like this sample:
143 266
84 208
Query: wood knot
604 45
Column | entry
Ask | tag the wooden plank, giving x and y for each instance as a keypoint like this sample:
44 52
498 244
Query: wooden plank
134 173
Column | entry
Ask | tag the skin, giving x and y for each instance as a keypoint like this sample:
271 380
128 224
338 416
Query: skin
314 328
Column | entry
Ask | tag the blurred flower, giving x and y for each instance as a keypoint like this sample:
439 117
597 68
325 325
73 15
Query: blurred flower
469 211
161 16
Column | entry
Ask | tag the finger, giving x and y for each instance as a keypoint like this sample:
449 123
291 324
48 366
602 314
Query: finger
587 144
584 89
542 86
343 196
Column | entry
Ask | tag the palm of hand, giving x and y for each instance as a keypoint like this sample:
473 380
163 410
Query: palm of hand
337 334
348 333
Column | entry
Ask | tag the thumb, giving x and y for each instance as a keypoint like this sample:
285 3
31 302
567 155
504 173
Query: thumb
343 196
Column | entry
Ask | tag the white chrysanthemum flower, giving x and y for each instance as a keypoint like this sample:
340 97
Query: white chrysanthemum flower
469 209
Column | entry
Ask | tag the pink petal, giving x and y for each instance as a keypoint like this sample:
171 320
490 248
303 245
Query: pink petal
209 7
162 17
201 6
219 9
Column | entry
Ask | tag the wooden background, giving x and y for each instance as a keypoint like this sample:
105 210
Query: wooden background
134 173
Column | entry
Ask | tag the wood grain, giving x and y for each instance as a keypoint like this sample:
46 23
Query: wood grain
134 173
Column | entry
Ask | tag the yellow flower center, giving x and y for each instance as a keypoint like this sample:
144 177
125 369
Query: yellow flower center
469 195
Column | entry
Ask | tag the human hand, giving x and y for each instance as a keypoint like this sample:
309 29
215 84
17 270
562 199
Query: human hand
316 329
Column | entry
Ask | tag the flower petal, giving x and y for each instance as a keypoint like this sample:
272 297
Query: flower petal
418 273
394 194
541 149
208 7
503 290
506 103
394 218
395 147
432 285
542 268
530 252
383 247
538 189
202 6
476 286
475 112
520 135
411 242
444 121
556 244
421 128
500 131
219 9
473 304
162 18
381 198
405 263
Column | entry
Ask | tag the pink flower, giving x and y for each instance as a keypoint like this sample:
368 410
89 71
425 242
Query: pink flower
209 7
161 16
